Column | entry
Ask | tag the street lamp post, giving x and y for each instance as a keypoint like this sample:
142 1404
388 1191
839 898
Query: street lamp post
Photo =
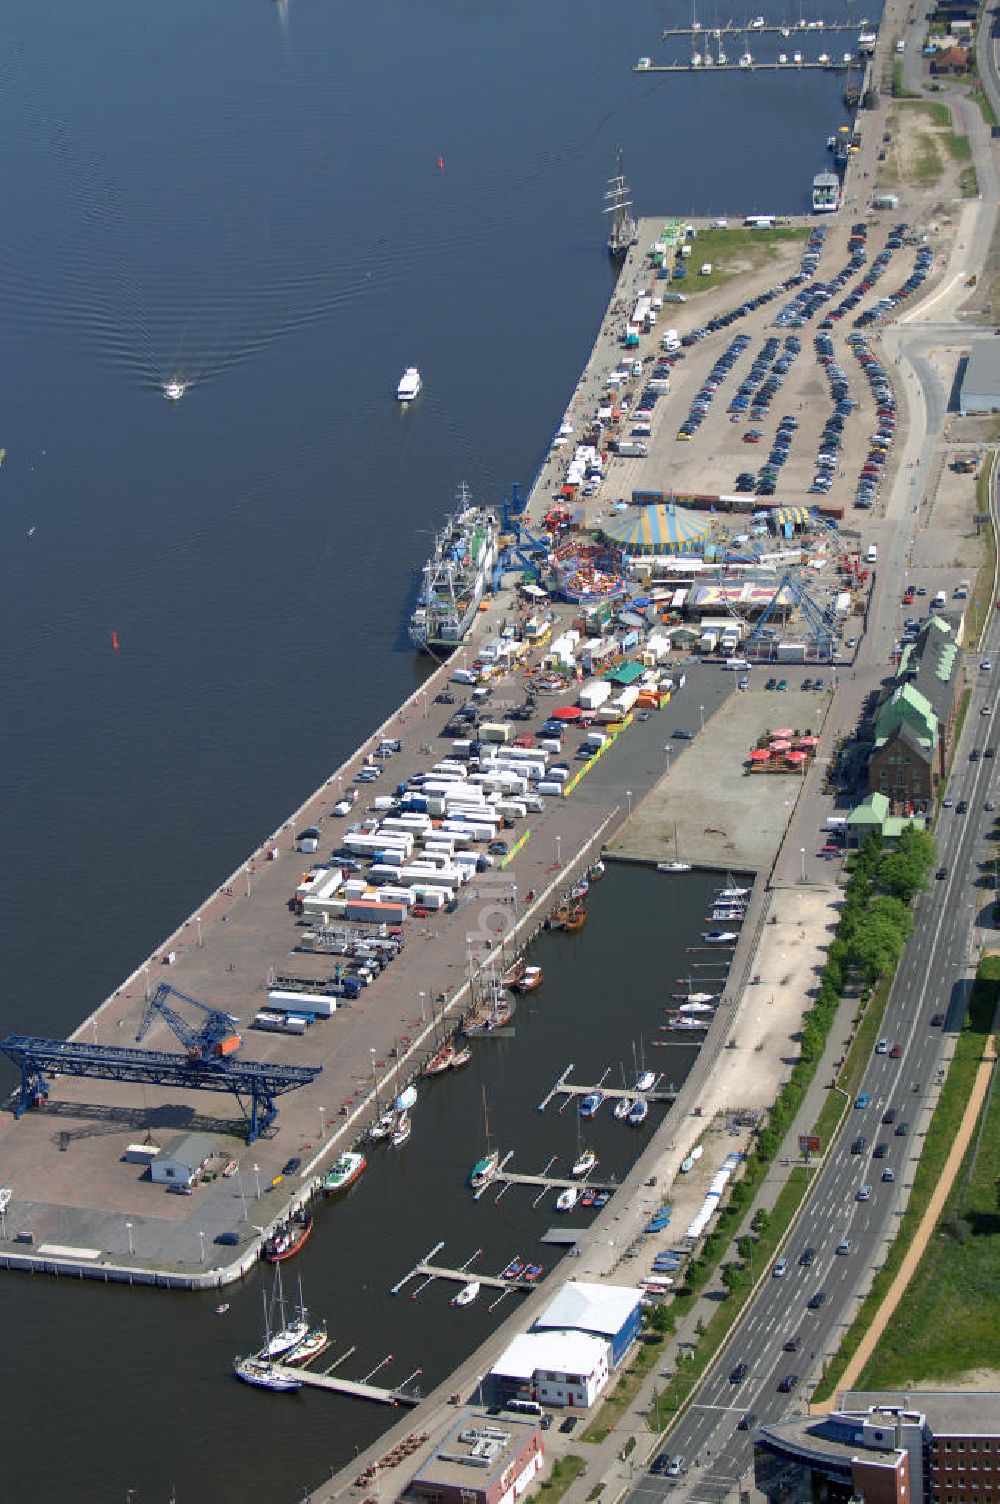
256 1176
802 855
423 1011
558 851
322 1122
668 749
131 1243
201 1241
701 716
628 796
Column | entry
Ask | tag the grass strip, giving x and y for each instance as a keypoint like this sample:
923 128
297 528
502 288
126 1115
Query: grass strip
924 1340
564 1473
981 603
644 1360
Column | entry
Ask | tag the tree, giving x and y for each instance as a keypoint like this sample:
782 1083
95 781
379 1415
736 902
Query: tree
660 1320
761 1221
903 872
732 1277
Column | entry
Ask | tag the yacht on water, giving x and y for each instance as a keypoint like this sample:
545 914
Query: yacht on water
410 385
174 389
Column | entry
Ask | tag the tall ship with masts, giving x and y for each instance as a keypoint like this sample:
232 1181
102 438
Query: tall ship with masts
456 576
624 231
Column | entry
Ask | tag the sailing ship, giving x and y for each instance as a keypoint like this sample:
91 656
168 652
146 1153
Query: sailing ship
484 1169
402 1130
448 1058
675 864
521 977
590 1103
491 1013
263 1376
280 1344
455 577
624 231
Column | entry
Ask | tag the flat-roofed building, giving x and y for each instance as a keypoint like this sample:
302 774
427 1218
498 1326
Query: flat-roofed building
484 1459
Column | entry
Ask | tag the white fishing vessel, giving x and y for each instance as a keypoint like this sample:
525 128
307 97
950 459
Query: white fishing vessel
410 385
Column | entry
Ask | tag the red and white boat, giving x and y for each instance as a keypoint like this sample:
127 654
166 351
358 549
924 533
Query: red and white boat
288 1237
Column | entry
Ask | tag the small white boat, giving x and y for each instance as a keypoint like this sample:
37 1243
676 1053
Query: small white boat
623 1107
673 866
696 1008
719 937
402 1130
5 1194
639 1113
782 57
174 390
567 1199
382 1128
406 1099
315 1343
646 1081
746 60
410 385
732 893
467 1294
584 1165
796 58
702 997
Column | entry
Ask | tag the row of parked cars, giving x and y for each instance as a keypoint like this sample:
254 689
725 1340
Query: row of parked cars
807 266
921 268
703 397
832 436
885 410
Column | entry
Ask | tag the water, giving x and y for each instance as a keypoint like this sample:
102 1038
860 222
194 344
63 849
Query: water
250 198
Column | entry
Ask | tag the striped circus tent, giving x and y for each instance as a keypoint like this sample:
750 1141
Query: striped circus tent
793 517
659 530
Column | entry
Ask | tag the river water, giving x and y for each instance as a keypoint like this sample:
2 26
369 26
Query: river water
285 204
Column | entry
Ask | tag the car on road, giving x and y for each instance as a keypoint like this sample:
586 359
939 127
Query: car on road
683 736
788 1383
739 1373
747 1421
792 1345
987 665
862 1099
644 715
990 806
771 684
888 1173
941 874
902 1129
864 1193
880 1151
498 848
780 1269
660 1464
896 1052
844 1246
859 1145
815 1302
807 1257
291 1165
744 684
569 1424
782 685
889 1116
675 1467
882 1047
947 802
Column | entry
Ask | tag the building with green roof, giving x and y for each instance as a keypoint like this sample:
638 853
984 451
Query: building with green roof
915 722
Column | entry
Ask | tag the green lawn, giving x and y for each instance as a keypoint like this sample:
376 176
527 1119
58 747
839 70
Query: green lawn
732 253
564 1472
949 1319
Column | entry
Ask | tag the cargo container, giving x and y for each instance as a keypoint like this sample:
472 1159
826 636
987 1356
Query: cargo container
369 845
316 1003
593 694
272 1021
627 697
450 768
364 912
526 752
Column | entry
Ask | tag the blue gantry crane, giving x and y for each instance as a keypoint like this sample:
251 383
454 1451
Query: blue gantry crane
207 1065
217 1037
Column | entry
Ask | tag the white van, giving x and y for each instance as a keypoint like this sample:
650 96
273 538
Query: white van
871 557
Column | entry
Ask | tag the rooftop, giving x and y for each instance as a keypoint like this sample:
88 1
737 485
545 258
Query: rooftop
559 1352
476 1452
949 1412
982 373
590 1308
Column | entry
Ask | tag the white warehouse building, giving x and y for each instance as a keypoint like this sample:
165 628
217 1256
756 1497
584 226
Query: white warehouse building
555 1368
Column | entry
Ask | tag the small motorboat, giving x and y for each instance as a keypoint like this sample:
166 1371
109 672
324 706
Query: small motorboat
623 1107
601 1198
646 1081
343 1173
174 389
639 1113
382 1128
410 385
567 1199
514 1270
590 1103
596 871
467 1294
402 1130
732 893
587 1199
530 978
719 937
288 1237
586 1162
575 919
533 1271
221 1310
673 866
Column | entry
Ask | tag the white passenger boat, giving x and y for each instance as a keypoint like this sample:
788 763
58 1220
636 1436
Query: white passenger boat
467 1294
646 1081
174 390
567 1199
410 385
